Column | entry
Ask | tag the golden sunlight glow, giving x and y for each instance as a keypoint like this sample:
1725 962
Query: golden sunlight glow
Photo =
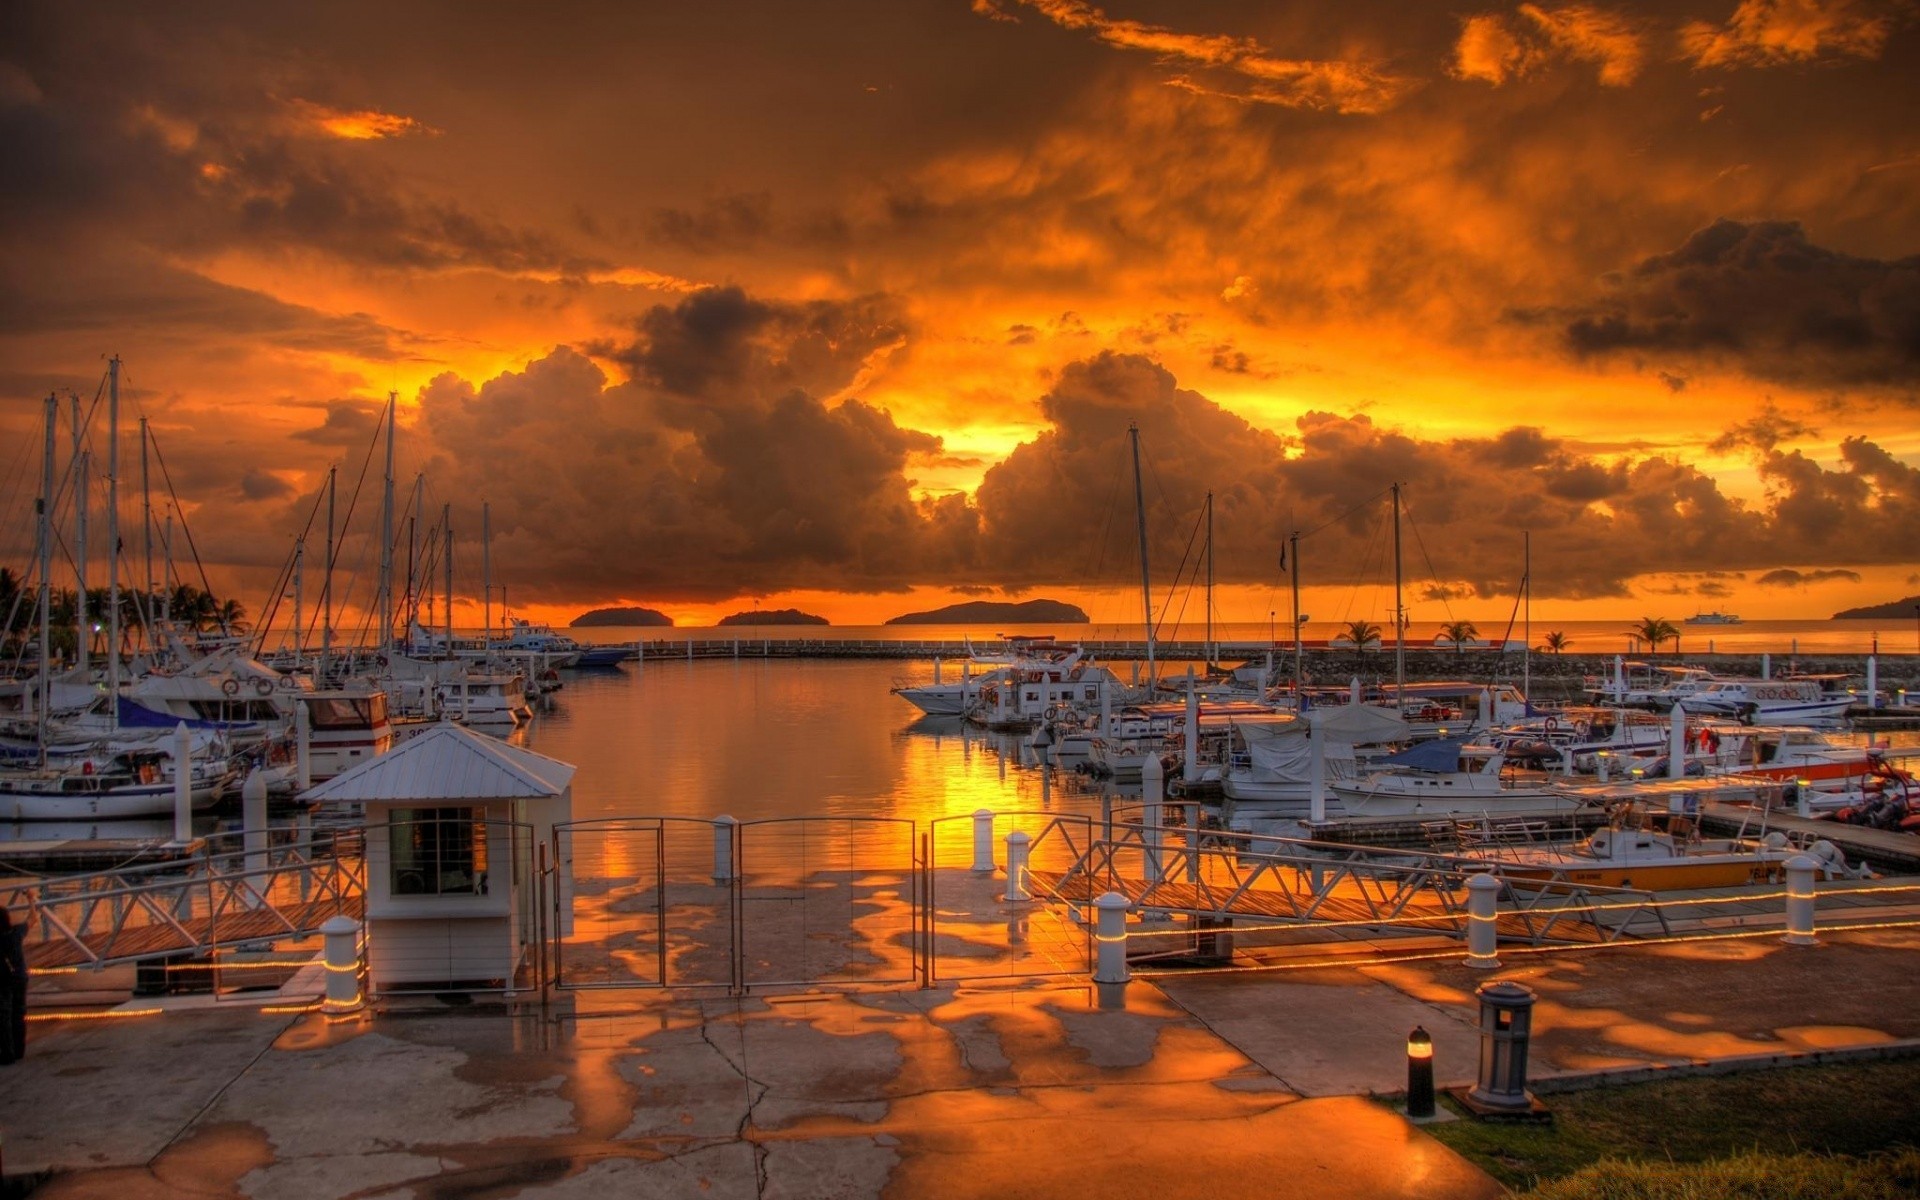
359 125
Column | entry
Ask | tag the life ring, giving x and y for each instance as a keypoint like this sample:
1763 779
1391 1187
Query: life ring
288 683
1052 712
263 686
1551 725
1582 730
230 687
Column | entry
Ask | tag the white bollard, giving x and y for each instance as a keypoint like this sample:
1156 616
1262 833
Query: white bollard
1110 935
936 670
1766 666
182 784
1803 799
723 829
342 954
302 746
1800 871
1153 796
253 827
1017 849
1873 681
1483 938
1677 744
1353 690
983 841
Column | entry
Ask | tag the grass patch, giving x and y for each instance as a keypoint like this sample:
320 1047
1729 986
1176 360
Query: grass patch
1854 1109
1891 1176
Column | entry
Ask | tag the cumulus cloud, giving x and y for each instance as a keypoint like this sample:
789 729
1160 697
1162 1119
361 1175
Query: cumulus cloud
1768 33
1763 298
1764 431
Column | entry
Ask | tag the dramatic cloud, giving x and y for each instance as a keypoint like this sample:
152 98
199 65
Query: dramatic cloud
1766 33
360 125
1764 299
1494 48
1256 73
1787 577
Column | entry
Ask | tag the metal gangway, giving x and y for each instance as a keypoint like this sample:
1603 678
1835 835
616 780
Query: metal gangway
1248 880
227 894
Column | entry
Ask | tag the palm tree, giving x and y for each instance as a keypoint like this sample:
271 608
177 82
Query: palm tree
232 616
1459 633
1556 642
1655 630
1362 632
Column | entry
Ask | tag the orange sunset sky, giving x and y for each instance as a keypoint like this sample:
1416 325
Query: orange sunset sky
847 305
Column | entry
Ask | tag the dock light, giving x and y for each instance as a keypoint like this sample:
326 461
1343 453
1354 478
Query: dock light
1419 1074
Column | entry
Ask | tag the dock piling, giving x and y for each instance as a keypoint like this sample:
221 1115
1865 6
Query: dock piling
983 841
1800 897
1483 902
1018 846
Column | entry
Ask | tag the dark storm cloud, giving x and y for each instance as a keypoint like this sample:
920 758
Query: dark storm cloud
1768 429
349 424
1786 577
257 484
1763 298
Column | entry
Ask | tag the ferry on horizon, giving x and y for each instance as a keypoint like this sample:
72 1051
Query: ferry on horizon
1713 618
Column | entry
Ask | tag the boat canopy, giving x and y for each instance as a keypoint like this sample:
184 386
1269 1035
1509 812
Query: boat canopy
1358 723
1440 754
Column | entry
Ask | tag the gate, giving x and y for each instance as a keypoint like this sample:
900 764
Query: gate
654 902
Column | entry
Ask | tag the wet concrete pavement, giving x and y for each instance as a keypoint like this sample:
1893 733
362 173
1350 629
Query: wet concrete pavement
1204 1085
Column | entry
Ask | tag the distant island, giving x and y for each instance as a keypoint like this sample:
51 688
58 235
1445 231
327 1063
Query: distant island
986 612
622 616
1880 612
778 616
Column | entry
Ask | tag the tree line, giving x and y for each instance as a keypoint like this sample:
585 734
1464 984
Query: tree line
186 606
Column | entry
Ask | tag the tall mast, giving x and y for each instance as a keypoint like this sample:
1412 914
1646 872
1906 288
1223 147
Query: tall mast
1140 517
486 576
1399 614
113 538
326 585
146 533
416 552
46 573
1299 661
446 525
299 586
386 536
1526 632
82 493
1210 654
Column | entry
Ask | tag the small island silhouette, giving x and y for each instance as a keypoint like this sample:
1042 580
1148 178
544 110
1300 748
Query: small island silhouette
631 617
777 616
1880 612
983 612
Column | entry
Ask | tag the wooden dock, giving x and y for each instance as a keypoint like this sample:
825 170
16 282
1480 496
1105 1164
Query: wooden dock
1884 848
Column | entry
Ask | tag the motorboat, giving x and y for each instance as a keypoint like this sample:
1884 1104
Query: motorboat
1665 860
132 783
1770 700
1270 758
1647 685
1444 777
1574 738
945 699
1712 618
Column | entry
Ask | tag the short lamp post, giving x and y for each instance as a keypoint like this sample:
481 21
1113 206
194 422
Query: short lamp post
1419 1074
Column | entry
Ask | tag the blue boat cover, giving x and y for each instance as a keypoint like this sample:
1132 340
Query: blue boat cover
1440 754
134 715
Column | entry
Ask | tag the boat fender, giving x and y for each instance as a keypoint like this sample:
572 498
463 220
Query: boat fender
86 767
263 686
230 687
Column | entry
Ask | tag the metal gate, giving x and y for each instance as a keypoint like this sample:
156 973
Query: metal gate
974 932
651 902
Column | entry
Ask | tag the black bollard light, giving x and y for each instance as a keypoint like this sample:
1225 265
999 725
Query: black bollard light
1419 1074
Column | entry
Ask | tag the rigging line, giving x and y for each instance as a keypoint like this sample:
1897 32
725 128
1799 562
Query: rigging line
166 477
1370 500
1106 529
286 572
1432 572
1174 587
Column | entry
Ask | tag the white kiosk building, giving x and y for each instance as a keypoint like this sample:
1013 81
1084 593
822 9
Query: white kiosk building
454 820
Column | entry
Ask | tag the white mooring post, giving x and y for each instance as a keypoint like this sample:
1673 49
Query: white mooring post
723 828
342 954
1110 973
983 841
1800 871
1766 666
1483 902
1677 743
253 827
1873 681
1017 849
302 745
182 784
1153 797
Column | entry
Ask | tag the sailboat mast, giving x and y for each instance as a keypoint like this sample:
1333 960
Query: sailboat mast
46 573
82 492
446 525
299 588
1299 658
1140 518
1211 656
113 539
1399 614
146 533
417 553
1526 631
486 576
386 535
326 585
